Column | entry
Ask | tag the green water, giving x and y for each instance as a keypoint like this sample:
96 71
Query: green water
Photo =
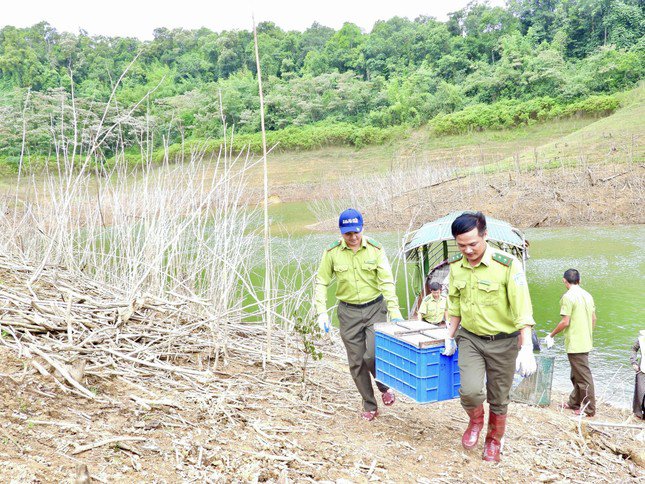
611 264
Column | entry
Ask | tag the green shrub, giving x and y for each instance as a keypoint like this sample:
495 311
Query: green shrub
592 106
511 113
295 138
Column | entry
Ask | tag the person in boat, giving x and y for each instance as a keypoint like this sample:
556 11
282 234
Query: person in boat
639 368
366 294
433 307
491 318
578 321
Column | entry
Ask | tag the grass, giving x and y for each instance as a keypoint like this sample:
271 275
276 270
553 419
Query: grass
562 139
615 139
334 163
493 150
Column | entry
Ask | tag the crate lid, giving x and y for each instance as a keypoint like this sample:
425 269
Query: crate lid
391 329
439 333
421 340
416 325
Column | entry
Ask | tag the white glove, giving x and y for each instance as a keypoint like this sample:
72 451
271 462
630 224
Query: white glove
323 322
549 341
451 346
525 364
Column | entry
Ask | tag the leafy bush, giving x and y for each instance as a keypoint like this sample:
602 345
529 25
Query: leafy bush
507 114
296 138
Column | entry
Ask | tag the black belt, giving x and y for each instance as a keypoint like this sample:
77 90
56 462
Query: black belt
359 306
493 337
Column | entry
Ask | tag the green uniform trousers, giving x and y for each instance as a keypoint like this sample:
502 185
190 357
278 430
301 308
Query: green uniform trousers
583 394
495 360
357 333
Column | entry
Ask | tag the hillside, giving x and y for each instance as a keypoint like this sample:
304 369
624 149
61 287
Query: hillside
515 174
497 66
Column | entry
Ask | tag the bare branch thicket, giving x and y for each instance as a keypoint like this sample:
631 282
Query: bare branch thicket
145 275
378 193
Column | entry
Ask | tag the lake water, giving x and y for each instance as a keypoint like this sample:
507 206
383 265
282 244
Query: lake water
611 263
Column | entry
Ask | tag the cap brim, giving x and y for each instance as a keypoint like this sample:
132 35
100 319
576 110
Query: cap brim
352 228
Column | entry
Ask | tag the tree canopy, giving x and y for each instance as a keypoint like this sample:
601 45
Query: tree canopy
401 72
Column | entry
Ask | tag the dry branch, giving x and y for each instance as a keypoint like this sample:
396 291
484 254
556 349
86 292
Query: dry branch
111 440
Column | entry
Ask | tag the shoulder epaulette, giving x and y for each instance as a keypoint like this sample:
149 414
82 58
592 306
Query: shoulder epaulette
333 244
502 259
455 258
373 242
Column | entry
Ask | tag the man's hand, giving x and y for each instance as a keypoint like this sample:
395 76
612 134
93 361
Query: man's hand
323 322
636 368
451 346
549 341
525 364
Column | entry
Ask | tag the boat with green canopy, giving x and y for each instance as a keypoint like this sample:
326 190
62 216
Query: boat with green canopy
429 248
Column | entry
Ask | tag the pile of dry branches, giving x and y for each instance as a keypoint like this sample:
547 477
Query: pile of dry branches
70 326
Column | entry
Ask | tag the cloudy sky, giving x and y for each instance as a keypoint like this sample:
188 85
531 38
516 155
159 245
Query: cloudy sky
136 18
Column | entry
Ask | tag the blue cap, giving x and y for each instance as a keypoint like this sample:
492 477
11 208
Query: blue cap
350 221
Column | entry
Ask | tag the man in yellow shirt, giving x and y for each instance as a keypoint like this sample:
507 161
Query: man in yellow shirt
578 321
366 294
433 307
490 313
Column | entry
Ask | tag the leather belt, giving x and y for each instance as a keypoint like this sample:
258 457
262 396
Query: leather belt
492 337
360 306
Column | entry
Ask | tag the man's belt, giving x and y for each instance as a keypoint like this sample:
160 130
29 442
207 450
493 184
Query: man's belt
492 337
360 306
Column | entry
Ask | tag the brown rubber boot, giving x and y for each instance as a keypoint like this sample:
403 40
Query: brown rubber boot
475 426
494 437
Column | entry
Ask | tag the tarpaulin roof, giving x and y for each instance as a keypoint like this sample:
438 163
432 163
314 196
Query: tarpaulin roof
439 230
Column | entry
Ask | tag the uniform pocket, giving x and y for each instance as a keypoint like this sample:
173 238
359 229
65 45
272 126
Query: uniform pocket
488 293
369 266
342 272
459 284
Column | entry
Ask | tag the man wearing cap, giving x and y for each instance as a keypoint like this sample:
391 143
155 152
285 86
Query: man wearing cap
366 294
490 312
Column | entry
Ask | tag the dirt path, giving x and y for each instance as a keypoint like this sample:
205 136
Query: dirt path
253 439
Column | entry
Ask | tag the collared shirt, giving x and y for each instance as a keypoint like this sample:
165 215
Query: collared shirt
491 297
432 310
361 277
579 306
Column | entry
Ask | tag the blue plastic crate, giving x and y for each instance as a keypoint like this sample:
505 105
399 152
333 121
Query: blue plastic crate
423 374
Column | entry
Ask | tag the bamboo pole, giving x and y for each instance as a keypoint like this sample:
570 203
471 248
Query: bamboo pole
267 242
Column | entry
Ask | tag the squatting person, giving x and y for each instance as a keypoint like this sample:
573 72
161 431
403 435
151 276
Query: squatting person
490 313
578 321
366 294
433 307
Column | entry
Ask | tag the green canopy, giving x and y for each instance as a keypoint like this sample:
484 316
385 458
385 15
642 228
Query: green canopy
439 230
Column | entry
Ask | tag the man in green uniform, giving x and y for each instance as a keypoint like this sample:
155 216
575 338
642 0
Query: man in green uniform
578 321
490 308
365 291
433 307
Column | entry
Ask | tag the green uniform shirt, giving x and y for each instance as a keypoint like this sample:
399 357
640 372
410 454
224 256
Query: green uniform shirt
492 297
431 309
579 306
361 277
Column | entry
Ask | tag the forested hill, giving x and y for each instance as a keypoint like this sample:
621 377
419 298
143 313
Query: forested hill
532 59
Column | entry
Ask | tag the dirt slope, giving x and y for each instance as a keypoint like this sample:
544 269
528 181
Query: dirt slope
285 435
